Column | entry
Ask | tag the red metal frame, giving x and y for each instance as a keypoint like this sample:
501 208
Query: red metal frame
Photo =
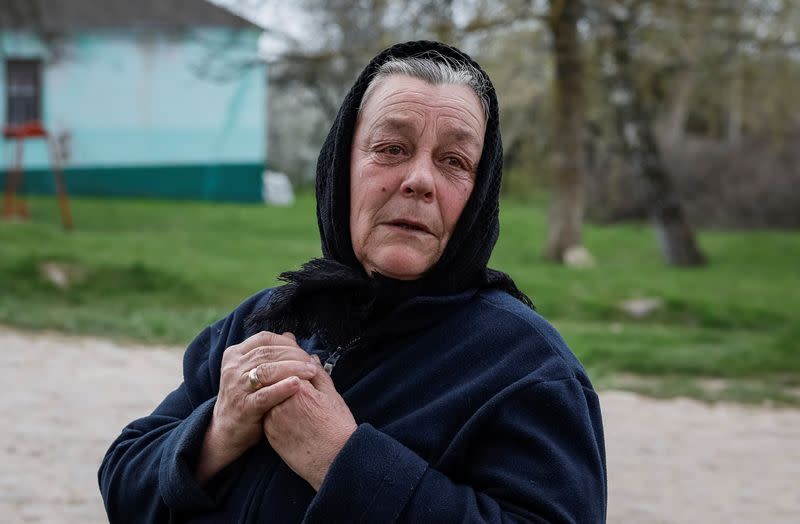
26 130
14 206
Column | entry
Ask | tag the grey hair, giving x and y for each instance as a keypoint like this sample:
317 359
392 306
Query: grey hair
442 70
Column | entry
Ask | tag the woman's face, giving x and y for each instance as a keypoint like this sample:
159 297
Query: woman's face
415 153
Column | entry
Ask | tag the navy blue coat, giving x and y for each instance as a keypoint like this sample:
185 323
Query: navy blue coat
470 408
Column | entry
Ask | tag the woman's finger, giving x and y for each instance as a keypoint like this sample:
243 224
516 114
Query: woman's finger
321 380
271 373
264 354
268 397
262 338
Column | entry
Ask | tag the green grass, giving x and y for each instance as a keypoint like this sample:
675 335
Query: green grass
159 271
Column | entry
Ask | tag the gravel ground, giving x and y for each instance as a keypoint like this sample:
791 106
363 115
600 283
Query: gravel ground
670 461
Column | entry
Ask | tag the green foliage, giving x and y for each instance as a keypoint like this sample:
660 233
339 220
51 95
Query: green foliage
160 271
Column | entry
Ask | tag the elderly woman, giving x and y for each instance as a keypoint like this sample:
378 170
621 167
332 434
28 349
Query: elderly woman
396 379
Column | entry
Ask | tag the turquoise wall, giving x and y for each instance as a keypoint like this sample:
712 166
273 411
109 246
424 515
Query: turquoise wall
144 101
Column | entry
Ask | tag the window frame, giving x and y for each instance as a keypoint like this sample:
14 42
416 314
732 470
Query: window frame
31 68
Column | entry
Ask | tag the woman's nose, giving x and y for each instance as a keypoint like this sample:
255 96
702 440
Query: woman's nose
419 181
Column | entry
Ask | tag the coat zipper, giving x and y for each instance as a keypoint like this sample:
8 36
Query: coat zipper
331 361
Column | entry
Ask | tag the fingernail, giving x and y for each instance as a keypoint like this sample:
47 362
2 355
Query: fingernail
316 357
311 367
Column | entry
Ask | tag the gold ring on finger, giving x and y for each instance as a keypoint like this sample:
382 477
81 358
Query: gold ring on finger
253 376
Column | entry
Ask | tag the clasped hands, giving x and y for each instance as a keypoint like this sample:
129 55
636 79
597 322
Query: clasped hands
296 407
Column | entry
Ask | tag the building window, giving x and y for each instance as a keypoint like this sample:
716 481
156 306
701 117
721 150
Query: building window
23 91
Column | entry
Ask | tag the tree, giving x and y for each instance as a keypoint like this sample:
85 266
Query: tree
566 209
346 35
634 124
319 71
567 134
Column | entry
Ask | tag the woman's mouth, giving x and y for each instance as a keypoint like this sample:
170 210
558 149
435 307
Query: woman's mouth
409 225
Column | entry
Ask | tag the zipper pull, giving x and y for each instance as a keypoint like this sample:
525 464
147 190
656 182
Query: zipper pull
330 362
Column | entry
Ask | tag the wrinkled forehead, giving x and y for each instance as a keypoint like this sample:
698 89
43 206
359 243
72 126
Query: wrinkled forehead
403 104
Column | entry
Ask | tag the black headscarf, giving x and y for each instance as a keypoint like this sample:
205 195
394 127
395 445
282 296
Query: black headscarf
333 296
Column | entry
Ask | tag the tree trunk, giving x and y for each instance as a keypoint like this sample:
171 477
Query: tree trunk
566 208
679 109
635 129
735 108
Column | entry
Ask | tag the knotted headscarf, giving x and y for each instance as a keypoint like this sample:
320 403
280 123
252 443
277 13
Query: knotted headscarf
333 296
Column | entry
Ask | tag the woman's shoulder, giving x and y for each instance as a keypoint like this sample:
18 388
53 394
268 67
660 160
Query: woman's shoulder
234 327
506 308
253 303
230 329
525 336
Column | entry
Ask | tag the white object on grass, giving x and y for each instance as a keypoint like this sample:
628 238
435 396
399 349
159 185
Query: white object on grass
276 189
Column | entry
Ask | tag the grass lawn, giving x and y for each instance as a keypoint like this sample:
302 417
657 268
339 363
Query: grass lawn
160 271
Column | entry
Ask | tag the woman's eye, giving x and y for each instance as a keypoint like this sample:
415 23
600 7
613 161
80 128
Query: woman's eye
453 161
393 150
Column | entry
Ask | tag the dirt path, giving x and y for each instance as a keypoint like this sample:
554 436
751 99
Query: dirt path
66 398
